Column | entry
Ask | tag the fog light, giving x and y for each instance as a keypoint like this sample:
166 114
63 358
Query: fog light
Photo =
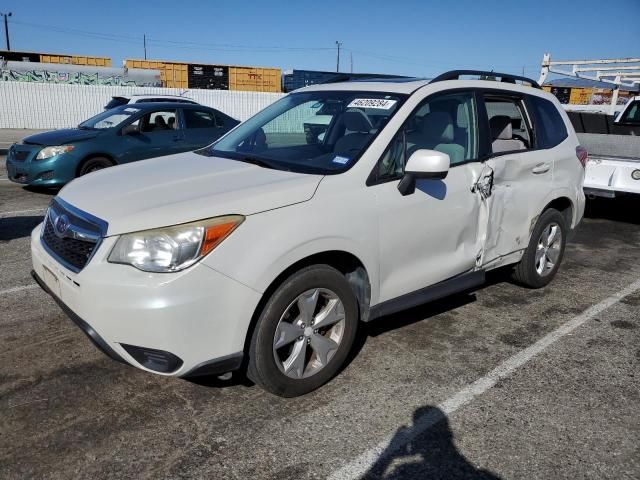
157 360
48 175
635 174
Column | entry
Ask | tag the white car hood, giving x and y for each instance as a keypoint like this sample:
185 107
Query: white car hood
182 188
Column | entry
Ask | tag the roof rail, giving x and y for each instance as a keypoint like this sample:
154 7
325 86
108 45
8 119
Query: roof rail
504 77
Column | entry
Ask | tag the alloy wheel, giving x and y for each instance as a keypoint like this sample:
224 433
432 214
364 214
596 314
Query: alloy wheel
309 333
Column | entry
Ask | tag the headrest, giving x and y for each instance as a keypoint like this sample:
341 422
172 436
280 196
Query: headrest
438 127
501 129
357 121
462 117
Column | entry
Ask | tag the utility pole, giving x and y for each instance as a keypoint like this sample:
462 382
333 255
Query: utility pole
351 58
338 45
144 40
6 29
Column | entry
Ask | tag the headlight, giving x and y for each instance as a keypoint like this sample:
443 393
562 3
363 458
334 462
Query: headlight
48 152
172 249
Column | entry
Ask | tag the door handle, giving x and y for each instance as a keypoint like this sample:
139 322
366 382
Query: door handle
541 168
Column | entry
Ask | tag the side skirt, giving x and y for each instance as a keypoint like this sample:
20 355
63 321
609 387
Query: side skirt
459 283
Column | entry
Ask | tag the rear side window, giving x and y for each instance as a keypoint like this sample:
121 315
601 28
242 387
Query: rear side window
198 119
550 127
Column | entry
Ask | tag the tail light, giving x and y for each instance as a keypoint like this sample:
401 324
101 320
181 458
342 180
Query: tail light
582 155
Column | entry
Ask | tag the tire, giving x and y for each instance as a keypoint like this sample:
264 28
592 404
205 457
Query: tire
272 364
94 164
537 268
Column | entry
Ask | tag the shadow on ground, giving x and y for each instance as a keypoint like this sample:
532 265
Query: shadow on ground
12 228
426 450
622 209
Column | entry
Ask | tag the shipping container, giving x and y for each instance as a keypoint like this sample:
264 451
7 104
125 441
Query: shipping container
172 74
255 79
76 60
294 79
211 76
55 58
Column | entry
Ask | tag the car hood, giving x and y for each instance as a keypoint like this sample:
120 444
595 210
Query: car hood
60 137
182 188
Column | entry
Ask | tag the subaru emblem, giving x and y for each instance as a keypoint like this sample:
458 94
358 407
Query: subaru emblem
62 225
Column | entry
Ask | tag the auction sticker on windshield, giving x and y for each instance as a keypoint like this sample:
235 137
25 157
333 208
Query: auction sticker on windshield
372 103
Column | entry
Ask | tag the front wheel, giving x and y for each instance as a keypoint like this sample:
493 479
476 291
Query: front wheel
304 333
94 164
543 256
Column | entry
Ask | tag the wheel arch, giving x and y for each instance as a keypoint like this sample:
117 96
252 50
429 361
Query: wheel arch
345 262
565 206
91 155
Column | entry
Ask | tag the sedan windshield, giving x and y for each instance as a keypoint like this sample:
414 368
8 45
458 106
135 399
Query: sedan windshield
110 118
321 132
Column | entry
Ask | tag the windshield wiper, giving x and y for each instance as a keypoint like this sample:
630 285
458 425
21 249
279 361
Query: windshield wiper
84 127
259 162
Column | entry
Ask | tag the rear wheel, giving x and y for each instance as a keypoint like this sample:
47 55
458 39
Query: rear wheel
304 333
94 164
543 256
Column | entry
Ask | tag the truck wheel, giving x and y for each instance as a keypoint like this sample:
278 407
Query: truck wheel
94 164
543 256
304 333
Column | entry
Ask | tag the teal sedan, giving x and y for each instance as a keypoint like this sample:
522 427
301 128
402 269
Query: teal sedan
121 135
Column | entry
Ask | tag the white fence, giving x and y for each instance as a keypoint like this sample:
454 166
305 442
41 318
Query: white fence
46 106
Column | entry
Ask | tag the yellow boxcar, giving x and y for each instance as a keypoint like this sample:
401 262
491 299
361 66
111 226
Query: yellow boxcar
76 60
172 74
255 79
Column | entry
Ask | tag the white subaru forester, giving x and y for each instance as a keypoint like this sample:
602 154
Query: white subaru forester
264 251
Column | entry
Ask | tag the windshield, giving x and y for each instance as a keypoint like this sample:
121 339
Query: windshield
312 132
110 118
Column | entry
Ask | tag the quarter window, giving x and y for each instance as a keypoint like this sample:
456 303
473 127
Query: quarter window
550 128
447 123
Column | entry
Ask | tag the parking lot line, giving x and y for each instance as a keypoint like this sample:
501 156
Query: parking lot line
361 464
16 212
18 289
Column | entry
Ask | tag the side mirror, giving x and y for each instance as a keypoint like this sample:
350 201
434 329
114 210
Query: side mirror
130 130
423 164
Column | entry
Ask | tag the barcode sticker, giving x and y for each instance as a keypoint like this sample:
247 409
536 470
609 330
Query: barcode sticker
372 103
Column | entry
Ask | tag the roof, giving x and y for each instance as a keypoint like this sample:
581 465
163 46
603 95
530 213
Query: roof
408 86
168 105
154 95
371 85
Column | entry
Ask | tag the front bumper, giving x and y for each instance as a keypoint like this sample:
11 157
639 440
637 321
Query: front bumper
199 316
610 177
52 172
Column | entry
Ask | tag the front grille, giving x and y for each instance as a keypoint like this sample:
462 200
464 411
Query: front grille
74 244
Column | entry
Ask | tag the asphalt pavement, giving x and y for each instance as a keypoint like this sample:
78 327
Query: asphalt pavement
504 382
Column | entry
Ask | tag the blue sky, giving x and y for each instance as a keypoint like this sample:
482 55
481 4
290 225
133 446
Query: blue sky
418 38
